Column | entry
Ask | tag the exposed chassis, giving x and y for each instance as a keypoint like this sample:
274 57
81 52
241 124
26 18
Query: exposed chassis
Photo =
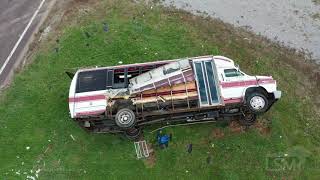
106 124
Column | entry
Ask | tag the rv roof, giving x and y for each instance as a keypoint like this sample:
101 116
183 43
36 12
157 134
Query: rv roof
223 62
138 64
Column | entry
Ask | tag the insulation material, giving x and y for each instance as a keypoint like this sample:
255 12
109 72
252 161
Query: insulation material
178 72
168 93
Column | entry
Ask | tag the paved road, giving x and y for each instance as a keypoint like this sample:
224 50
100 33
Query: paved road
14 17
296 23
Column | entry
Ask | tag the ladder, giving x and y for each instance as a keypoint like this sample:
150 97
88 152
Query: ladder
141 148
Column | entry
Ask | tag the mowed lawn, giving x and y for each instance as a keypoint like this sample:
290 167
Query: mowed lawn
36 130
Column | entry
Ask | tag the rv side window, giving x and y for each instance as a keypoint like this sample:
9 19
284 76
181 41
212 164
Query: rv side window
119 78
232 73
91 81
109 78
133 72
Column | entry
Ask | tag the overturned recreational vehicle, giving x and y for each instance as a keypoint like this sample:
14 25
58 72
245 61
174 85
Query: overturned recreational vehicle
123 99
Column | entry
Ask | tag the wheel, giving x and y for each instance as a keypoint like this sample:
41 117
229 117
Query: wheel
133 133
247 118
257 103
125 118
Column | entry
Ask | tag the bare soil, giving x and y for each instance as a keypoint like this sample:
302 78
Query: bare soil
151 160
235 127
217 133
262 128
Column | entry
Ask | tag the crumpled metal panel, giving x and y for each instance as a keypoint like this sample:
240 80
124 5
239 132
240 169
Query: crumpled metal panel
170 74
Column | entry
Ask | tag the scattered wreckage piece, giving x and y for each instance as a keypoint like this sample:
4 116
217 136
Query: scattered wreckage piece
125 98
141 148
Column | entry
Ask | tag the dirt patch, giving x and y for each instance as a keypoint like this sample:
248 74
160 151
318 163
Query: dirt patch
151 160
217 133
235 127
263 128
316 2
316 16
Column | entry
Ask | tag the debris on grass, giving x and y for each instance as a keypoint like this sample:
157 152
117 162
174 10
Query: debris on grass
105 27
72 137
189 148
27 148
31 177
37 172
45 33
120 62
47 149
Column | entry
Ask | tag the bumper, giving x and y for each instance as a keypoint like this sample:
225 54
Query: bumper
277 94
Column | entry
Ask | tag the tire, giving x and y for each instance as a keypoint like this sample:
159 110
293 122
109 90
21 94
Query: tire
257 103
133 133
247 118
125 118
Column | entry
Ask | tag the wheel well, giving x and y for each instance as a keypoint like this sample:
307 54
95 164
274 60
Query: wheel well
261 90
123 103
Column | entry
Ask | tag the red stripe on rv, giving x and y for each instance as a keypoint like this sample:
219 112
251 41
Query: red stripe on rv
87 98
238 83
246 83
233 100
90 113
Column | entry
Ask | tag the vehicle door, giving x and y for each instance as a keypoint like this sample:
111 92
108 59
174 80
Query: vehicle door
90 98
207 82
232 83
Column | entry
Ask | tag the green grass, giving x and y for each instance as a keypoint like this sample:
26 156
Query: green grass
34 110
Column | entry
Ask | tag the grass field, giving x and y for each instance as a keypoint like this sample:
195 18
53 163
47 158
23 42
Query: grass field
34 110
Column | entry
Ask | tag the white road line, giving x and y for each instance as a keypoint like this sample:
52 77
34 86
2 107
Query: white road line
21 37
